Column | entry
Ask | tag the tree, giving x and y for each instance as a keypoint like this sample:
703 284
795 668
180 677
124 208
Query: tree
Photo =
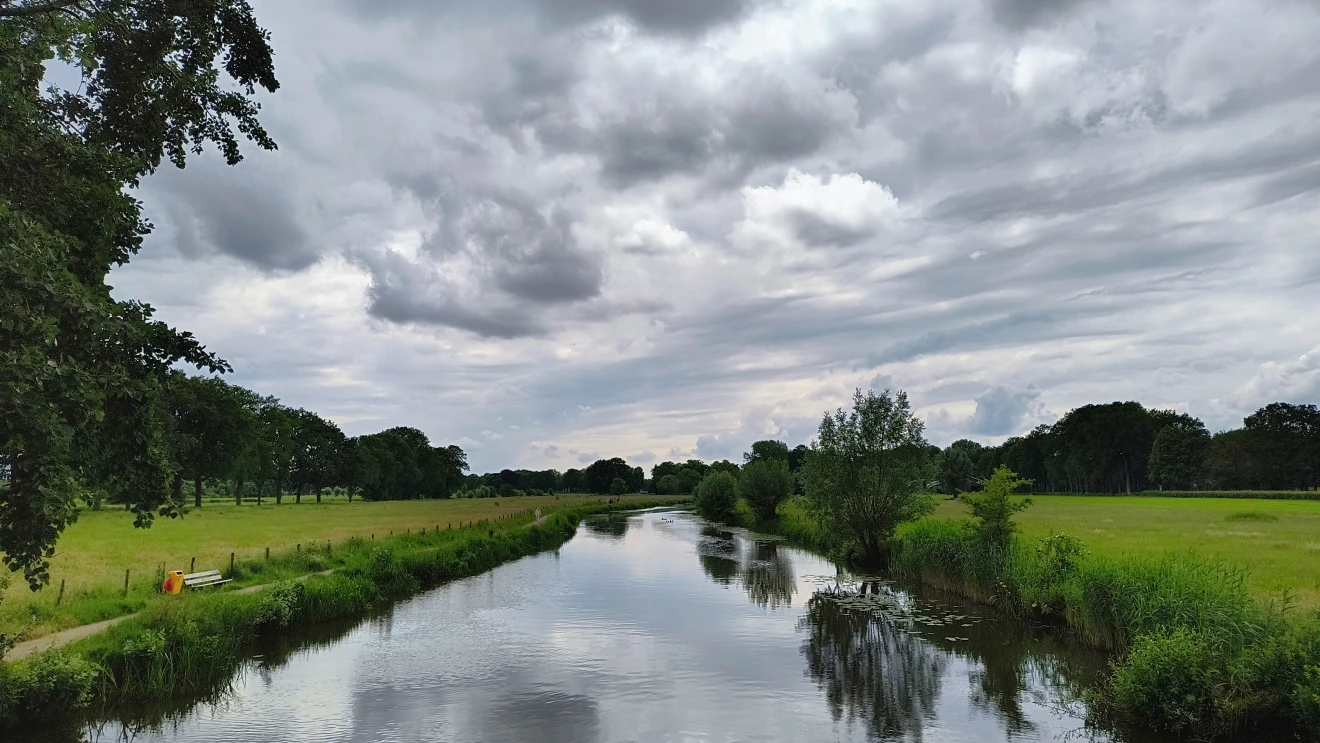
993 508
317 444
716 497
797 457
599 477
725 465
1284 439
865 471
209 427
573 480
618 486
274 450
955 471
1177 456
764 484
766 450
81 374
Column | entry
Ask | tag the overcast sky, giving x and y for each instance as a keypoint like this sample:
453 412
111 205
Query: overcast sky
556 230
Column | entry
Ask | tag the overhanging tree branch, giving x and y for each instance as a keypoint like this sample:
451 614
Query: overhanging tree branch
51 6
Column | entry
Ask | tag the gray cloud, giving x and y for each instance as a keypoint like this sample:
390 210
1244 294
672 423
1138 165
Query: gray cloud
232 212
1020 14
680 17
1003 410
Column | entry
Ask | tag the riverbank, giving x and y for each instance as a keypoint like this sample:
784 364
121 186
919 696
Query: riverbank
190 646
1197 652
97 551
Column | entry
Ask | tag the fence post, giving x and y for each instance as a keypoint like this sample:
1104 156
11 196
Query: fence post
60 597
126 581
231 563
192 566
268 553
298 548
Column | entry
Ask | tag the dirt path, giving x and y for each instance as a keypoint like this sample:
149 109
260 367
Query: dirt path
64 637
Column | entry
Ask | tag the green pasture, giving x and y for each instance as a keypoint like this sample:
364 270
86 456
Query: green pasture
1278 541
93 554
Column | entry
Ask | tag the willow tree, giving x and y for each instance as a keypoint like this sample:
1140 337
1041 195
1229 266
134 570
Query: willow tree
80 372
866 472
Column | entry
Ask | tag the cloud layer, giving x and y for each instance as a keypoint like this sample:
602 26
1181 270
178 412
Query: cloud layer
549 230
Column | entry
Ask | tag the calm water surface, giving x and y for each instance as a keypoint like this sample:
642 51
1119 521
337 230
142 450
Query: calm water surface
655 627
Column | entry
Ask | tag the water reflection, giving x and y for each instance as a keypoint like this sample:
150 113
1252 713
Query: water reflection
613 525
758 565
767 574
871 671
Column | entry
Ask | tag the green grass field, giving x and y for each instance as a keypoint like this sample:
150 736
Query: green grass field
1278 541
94 552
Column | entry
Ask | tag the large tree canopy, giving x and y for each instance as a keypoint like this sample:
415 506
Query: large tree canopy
80 373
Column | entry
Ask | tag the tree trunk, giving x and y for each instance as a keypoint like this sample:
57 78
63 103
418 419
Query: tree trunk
238 490
318 494
176 490
297 496
197 492
350 495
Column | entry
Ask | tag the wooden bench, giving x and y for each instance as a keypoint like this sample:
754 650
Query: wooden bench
204 579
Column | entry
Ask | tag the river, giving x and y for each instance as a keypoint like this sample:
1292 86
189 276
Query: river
656 627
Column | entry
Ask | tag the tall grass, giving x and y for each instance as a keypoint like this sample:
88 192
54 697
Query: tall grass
1195 653
190 646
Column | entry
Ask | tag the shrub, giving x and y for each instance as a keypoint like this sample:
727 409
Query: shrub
993 508
716 497
279 604
49 682
1176 677
618 486
764 484
389 574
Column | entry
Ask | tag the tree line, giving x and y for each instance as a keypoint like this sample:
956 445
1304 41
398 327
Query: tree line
1124 447
217 431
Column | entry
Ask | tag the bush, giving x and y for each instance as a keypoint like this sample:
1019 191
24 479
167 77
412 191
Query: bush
618 486
764 484
1176 677
716 497
51 681
389 574
279 604
993 508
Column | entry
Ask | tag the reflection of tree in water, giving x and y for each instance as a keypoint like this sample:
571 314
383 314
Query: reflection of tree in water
999 681
718 554
608 526
767 574
871 671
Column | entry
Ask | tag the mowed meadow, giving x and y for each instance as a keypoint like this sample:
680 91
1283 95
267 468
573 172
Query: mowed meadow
94 552
1277 541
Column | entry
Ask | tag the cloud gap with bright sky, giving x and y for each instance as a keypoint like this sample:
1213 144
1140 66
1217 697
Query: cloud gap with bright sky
551 230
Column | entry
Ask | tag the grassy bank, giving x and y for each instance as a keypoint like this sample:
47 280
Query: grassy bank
1200 647
189 646
94 552
1276 541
